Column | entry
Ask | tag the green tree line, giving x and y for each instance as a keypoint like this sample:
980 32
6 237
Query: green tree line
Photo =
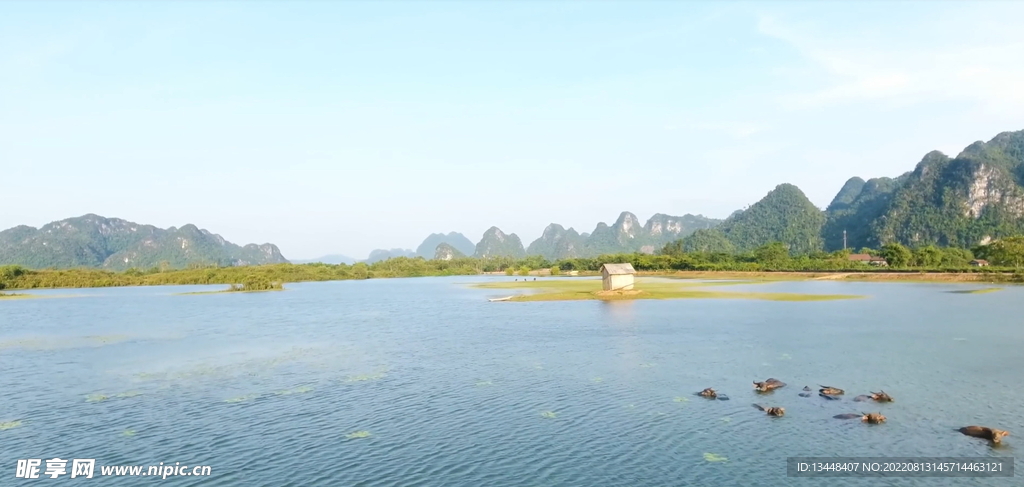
1004 255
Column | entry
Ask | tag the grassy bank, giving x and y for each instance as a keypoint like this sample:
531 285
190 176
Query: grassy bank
241 288
17 278
12 296
590 289
903 276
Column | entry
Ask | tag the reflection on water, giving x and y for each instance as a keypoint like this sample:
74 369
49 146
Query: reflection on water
424 382
619 312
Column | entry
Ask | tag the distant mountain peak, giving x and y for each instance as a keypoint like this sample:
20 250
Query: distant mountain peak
847 194
92 240
557 243
783 215
378 255
496 243
458 241
445 251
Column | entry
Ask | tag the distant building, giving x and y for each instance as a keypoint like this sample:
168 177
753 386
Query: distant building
617 277
868 259
979 262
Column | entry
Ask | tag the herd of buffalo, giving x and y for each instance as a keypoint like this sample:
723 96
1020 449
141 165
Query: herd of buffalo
832 393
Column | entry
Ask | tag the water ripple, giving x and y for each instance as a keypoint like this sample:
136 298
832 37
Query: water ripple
453 391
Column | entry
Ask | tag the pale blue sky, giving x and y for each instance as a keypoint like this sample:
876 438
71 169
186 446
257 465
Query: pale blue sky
340 127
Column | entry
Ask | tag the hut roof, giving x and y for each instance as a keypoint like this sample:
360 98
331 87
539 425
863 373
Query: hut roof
618 269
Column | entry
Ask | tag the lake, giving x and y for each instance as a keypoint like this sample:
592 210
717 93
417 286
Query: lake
422 382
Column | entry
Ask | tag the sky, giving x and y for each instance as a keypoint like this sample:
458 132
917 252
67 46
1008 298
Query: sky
341 127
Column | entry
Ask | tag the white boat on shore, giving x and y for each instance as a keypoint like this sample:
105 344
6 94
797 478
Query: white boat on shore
507 298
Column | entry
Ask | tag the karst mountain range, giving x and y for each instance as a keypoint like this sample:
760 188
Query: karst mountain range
959 201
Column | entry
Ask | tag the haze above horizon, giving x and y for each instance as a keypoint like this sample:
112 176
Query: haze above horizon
341 127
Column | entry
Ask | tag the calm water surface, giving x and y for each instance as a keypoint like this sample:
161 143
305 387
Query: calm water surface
455 391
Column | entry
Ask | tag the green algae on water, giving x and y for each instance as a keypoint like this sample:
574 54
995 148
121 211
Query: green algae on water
680 399
726 419
715 457
646 366
242 398
549 414
785 356
365 377
297 390
597 380
976 291
103 397
358 434
484 383
128 433
10 425
62 342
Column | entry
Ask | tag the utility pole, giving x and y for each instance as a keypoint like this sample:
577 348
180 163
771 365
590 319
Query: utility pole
844 239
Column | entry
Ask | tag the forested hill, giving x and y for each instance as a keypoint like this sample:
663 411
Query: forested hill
112 243
455 240
784 215
496 243
965 201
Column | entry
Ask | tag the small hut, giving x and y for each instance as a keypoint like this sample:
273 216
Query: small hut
979 262
617 277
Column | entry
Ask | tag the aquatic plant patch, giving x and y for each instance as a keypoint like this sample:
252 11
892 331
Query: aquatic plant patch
645 288
247 397
297 390
97 397
62 342
365 377
976 291
711 457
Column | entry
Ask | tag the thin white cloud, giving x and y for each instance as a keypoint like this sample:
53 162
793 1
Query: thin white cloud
984 69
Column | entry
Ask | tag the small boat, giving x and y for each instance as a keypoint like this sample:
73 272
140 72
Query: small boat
507 298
